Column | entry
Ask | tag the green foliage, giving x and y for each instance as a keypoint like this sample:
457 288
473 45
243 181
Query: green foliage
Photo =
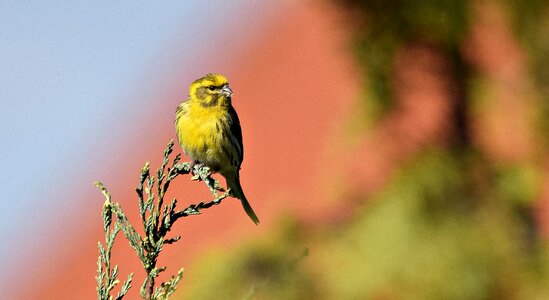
106 277
424 239
438 231
157 220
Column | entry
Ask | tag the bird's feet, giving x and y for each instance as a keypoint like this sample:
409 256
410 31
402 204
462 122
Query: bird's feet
195 166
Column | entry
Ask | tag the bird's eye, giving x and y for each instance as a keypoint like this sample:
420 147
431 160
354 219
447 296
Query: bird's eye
211 88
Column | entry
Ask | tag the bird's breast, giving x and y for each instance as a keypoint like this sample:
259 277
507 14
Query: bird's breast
201 133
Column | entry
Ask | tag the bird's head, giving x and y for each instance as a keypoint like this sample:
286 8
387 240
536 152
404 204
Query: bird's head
211 90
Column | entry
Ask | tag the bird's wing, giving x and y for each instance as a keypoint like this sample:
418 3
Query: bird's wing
180 112
236 135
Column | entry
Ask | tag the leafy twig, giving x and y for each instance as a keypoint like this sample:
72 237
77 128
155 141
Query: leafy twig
106 277
157 220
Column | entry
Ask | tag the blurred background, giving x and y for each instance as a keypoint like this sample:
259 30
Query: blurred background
394 149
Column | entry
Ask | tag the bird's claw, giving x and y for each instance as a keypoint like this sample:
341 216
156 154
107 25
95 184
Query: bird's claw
195 167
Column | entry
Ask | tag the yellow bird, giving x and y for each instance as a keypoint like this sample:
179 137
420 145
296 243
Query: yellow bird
209 132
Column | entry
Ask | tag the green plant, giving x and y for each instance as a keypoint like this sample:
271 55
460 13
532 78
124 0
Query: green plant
157 219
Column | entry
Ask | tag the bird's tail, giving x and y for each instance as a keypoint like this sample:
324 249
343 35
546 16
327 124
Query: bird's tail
233 182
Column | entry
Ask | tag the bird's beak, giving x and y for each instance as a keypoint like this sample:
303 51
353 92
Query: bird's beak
226 90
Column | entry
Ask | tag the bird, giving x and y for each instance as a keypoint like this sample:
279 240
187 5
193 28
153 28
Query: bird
209 132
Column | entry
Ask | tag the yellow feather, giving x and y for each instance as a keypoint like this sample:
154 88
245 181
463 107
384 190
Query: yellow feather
200 136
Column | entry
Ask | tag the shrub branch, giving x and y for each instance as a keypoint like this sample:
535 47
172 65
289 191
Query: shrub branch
157 219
